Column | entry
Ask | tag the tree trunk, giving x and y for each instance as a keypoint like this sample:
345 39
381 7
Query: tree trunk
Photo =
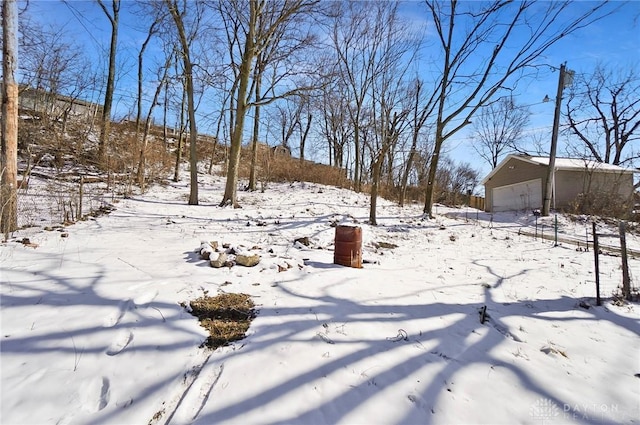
231 187
9 156
176 172
193 131
358 160
431 176
105 126
254 150
407 171
305 133
140 76
193 139
256 126
215 142
375 177
165 110
147 127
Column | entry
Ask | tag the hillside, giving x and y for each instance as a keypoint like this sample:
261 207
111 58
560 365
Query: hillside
95 329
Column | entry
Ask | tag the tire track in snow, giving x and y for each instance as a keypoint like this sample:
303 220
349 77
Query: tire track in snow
191 396
196 397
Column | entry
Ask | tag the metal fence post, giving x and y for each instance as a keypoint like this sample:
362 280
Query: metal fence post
597 265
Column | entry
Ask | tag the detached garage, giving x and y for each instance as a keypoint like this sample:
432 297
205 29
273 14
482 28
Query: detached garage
518 183
518 196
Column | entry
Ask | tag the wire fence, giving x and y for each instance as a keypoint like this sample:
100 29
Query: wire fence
63 199
612 272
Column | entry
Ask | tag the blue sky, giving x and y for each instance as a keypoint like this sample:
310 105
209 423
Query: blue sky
614 41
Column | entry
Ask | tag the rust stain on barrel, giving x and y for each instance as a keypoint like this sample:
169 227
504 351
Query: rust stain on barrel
348 246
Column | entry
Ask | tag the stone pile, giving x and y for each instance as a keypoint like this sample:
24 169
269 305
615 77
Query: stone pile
227 256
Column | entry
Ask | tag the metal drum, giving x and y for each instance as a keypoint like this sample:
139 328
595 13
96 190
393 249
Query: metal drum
348 246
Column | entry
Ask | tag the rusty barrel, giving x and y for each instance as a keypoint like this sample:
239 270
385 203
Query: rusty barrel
348 246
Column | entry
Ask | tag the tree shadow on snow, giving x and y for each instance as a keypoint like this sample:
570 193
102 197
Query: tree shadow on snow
453 342
85 332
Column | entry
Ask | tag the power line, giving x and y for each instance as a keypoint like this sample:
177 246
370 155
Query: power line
79 17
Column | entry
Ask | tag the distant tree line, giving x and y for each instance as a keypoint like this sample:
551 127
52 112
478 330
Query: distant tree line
357 85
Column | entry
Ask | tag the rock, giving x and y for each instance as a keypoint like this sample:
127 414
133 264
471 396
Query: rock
247 260
385 245
304 241
206 249
584 305
205 254
218 259
282 268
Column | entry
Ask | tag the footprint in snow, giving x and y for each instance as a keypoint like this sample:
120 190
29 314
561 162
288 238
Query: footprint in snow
419 402
95 394
120 343
114 318
144 299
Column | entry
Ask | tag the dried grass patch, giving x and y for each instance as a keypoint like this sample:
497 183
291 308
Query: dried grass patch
226 317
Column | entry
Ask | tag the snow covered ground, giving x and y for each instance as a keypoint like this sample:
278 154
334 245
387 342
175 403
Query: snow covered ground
92 330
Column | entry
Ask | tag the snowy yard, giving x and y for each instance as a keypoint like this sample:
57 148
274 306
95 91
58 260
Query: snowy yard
92 330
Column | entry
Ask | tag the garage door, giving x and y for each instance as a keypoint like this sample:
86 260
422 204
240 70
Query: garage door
520 196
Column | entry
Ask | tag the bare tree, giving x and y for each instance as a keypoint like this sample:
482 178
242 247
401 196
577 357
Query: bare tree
334 125
350 34
421 109
162 81
454 181
242 94
9 145
280 55
52 65
181 126
389 126
256 35
509 37
286 116
498 129
603 111
304 123
293 117
153 29
105 126
185 39
394 49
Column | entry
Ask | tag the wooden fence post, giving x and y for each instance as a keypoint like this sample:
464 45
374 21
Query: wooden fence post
595 255
626 284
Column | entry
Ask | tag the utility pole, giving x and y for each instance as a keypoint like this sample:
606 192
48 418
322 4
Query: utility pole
550 186
9 143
